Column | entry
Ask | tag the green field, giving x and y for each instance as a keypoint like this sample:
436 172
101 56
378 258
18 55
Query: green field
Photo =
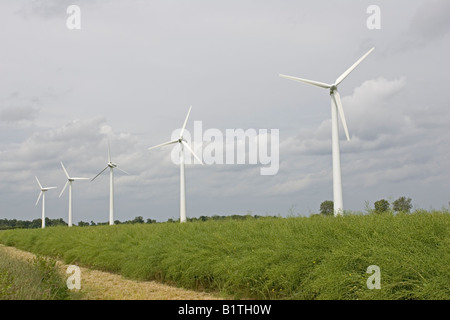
313 257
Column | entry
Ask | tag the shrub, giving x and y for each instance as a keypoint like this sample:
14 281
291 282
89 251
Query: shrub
402 204
381 206
327 208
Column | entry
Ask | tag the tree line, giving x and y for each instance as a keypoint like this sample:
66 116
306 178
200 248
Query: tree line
36 223
24 224
402 204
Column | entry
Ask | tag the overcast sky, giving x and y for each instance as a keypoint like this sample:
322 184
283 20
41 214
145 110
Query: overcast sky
131 72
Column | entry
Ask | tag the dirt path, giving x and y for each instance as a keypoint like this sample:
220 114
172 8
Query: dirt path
99 285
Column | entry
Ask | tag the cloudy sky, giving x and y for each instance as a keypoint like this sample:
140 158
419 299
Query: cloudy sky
131 72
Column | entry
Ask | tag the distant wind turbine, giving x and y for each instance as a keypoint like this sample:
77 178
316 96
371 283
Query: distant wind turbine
336 106
111 165
183 144
42 193
69 182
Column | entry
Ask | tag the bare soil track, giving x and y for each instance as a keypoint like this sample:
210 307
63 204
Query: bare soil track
100 285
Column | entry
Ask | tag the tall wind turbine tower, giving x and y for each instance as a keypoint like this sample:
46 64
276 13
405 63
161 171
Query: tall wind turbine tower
69 182
42 193
183 144
336 107
111 165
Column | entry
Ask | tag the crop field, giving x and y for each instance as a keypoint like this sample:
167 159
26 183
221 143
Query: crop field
315 257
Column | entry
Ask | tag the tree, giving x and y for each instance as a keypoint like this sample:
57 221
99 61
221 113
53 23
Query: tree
55 222
402 204
381 206
327 208
138 219
36 223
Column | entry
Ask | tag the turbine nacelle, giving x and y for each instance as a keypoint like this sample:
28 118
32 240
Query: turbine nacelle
333 89
112 165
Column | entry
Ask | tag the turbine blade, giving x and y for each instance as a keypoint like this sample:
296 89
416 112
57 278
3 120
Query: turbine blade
40 186
312 82
65 171
99 173
109 153
349 70
163 144
191 151
122 170
185 121
49 188
65 186
39 197
80 179
337 101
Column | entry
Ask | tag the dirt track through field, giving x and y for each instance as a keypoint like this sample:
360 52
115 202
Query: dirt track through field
100 285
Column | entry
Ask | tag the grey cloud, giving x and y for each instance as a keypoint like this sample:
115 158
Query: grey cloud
372 109
431 20
429 24
18 114
50 8
79 143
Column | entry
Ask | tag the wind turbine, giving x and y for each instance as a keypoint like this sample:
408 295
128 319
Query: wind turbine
69 182
111 165
336 107
183 144
42 193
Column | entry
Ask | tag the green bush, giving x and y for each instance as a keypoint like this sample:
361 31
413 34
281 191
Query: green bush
381 206
402 204
327 208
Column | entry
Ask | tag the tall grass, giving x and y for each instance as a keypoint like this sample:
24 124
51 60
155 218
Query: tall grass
267 258
38 279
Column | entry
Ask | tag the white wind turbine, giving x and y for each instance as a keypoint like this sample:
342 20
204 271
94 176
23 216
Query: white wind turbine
111 165
336 107
69 182
183 144
42 193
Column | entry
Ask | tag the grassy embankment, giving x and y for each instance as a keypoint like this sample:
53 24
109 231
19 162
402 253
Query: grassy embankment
266 258
38 279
